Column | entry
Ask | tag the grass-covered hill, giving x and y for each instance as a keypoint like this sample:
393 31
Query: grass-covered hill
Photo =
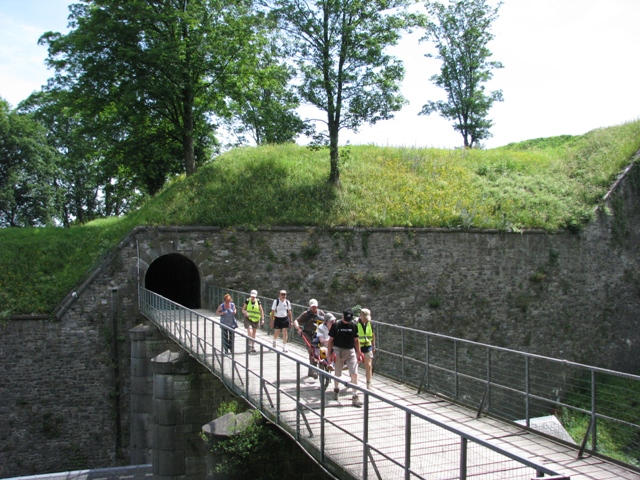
548 183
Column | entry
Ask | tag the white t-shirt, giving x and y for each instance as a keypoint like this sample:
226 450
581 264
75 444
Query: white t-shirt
323 334
282 308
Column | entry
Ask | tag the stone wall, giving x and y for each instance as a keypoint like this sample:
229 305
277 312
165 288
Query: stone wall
64 388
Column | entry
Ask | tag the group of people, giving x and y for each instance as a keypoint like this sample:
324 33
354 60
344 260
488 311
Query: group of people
347 342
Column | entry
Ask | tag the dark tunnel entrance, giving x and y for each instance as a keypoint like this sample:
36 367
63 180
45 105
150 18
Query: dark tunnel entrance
175 277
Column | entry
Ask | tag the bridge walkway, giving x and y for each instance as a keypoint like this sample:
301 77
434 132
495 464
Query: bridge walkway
398 433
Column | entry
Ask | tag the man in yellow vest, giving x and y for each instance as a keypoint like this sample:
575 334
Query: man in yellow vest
253 317
367 342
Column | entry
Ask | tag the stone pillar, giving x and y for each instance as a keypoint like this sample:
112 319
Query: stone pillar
184 397
146 342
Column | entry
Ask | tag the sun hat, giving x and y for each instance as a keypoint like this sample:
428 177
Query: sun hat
313 302
367 313
329 317
254 293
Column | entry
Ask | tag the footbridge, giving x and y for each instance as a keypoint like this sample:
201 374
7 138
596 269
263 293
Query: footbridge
439 408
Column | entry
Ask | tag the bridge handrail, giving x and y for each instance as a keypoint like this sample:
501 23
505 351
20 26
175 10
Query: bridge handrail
175 325
519 387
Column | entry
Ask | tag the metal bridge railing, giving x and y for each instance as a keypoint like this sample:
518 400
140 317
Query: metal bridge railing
598 405
389 439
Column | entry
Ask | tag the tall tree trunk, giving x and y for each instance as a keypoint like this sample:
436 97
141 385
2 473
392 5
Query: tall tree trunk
187 140
334 155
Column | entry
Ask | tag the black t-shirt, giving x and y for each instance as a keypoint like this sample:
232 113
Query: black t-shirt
344 334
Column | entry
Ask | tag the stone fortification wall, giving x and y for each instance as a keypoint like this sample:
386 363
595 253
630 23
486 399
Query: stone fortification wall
64 383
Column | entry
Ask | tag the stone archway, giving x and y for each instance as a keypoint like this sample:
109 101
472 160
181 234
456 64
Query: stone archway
175 277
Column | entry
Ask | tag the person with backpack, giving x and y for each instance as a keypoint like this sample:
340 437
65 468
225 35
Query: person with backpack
367 342
227 312
281 319
346 345
253 317
310 319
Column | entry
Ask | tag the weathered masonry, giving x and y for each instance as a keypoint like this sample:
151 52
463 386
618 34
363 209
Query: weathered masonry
65 385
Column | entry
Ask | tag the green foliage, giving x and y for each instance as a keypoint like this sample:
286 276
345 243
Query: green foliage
616 397
27 171
344 71
461 33
152 74
547 185
256 444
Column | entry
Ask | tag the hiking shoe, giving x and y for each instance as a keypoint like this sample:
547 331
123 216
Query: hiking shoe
274 344
356 400
314 375
330 368
284 348
336 392
369 386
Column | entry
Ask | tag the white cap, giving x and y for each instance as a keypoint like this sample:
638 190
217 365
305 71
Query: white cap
329 317
254 293
313 302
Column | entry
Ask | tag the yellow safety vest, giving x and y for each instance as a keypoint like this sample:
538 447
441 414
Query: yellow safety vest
365 334
253 309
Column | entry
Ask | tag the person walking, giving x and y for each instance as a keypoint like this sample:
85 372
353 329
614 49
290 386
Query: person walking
344 341
325 328
281 319
310 319
253 317
367 343
227 312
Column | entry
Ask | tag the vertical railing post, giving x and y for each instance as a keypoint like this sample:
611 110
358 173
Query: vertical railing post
527 397
428 359
365 439
402 350
455 367
488 379
594 416
407 446
277 387
463 458
322 422
298 401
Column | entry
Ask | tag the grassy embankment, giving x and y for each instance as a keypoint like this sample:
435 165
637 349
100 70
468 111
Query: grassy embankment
551 184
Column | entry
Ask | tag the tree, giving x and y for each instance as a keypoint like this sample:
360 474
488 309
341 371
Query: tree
264 105
88 182
27 171
461 33
339 47
152 73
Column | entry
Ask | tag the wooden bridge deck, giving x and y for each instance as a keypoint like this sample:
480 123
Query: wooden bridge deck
333 430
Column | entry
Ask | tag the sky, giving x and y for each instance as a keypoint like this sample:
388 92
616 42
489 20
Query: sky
570 66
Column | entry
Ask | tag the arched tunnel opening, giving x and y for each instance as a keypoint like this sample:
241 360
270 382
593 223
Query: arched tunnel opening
175 277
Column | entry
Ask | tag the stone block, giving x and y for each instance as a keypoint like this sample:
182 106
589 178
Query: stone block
166 412
168 463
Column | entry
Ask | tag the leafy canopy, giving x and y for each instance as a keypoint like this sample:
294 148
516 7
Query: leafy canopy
154 73
344 71
461 32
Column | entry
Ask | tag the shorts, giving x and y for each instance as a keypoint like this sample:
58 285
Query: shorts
346 356
280 323
367 351
249 324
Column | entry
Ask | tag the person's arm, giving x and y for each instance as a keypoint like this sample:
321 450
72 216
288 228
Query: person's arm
296 322
330 347
356 345
219 310
290 312
261 313
244 309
